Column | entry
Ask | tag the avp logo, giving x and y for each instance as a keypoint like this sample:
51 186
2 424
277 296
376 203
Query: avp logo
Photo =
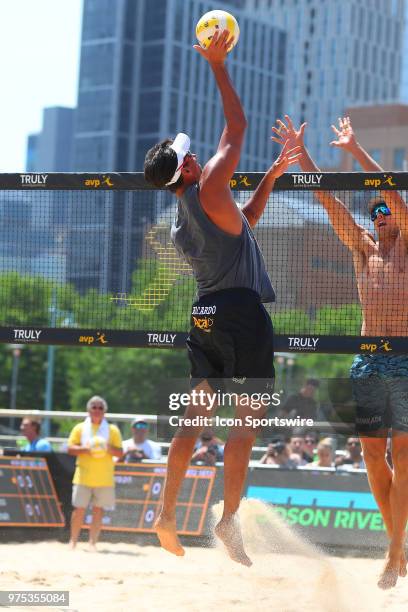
371 347
377 182
203 323
91 339
303 344
97 182
243 181
27 335
307 179
34 179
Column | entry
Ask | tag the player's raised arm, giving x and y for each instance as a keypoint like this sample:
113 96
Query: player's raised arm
349 232
346 140
219 169
255 206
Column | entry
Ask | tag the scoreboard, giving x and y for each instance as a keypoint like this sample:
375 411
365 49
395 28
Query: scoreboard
27 494
139 490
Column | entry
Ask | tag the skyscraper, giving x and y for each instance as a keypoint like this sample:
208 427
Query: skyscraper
340 54
51 149
141 81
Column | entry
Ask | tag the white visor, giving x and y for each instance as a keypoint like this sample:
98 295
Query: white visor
181 146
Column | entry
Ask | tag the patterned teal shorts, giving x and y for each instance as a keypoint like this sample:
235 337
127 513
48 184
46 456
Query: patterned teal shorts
380 389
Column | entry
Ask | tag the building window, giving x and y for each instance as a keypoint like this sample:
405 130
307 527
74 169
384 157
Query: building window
399 159
376 155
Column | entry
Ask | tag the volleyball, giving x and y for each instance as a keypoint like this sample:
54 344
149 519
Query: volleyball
98 447
214 21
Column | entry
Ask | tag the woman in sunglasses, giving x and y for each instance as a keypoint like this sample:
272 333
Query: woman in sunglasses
379 380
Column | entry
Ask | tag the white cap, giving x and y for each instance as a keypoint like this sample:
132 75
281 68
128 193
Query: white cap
181 146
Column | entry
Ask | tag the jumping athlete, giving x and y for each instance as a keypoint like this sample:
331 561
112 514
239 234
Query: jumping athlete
231 338
380 381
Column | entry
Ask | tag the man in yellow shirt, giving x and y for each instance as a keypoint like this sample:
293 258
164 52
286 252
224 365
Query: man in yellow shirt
94 443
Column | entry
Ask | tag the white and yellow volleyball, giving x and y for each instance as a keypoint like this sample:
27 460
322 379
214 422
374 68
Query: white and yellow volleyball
214 21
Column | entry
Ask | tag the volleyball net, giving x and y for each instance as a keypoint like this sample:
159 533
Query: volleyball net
86 259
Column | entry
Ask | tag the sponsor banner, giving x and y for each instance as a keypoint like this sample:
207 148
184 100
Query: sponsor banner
177 339
327 507
128 181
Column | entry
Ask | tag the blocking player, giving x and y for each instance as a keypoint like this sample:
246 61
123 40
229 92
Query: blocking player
380 381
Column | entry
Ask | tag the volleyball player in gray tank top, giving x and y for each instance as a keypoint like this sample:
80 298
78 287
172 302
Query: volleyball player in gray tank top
231 337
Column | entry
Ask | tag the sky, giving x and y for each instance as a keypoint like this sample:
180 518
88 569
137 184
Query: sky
39 67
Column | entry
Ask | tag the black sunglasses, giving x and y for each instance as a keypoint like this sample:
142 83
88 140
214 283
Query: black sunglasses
97 407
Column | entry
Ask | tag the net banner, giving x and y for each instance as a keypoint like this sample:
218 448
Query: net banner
86 259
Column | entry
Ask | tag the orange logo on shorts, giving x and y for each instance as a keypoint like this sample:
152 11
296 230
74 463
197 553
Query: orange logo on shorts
203 323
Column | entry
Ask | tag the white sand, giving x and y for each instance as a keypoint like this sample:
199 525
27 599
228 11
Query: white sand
125 576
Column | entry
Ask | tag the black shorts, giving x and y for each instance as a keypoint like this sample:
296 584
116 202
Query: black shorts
231 342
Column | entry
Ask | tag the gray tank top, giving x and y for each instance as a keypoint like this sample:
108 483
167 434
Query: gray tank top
219 260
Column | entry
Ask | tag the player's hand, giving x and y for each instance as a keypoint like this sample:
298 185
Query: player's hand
288 157
346 138
217 50
286 132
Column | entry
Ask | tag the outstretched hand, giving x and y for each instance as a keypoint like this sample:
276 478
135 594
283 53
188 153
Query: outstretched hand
218 48
288 133
346 138
288 157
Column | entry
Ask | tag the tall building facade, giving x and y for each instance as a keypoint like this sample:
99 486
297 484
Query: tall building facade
51 149
404 72
141 81
340 54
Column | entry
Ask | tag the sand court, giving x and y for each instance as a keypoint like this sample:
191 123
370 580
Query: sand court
287 575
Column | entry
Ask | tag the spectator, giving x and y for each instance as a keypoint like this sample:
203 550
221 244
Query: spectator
139 447
353 458
302 404
94 443
205 455
278 454
297 450
209 449
325 455
309 446
31 429
207 439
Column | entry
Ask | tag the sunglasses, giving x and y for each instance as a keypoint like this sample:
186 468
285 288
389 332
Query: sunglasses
382 208
97 408
309 441
353 444
140 426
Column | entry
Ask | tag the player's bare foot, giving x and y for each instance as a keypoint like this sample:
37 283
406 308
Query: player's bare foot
92 547
72 545
389 576
229 532
167 533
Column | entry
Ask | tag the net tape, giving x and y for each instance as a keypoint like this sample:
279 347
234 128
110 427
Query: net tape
86 259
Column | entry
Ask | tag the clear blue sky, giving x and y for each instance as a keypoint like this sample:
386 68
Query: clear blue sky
39 51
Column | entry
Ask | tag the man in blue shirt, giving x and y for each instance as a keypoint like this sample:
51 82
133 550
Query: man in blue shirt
31 429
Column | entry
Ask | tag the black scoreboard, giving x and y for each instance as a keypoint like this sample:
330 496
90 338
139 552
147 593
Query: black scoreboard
139 490
27 494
